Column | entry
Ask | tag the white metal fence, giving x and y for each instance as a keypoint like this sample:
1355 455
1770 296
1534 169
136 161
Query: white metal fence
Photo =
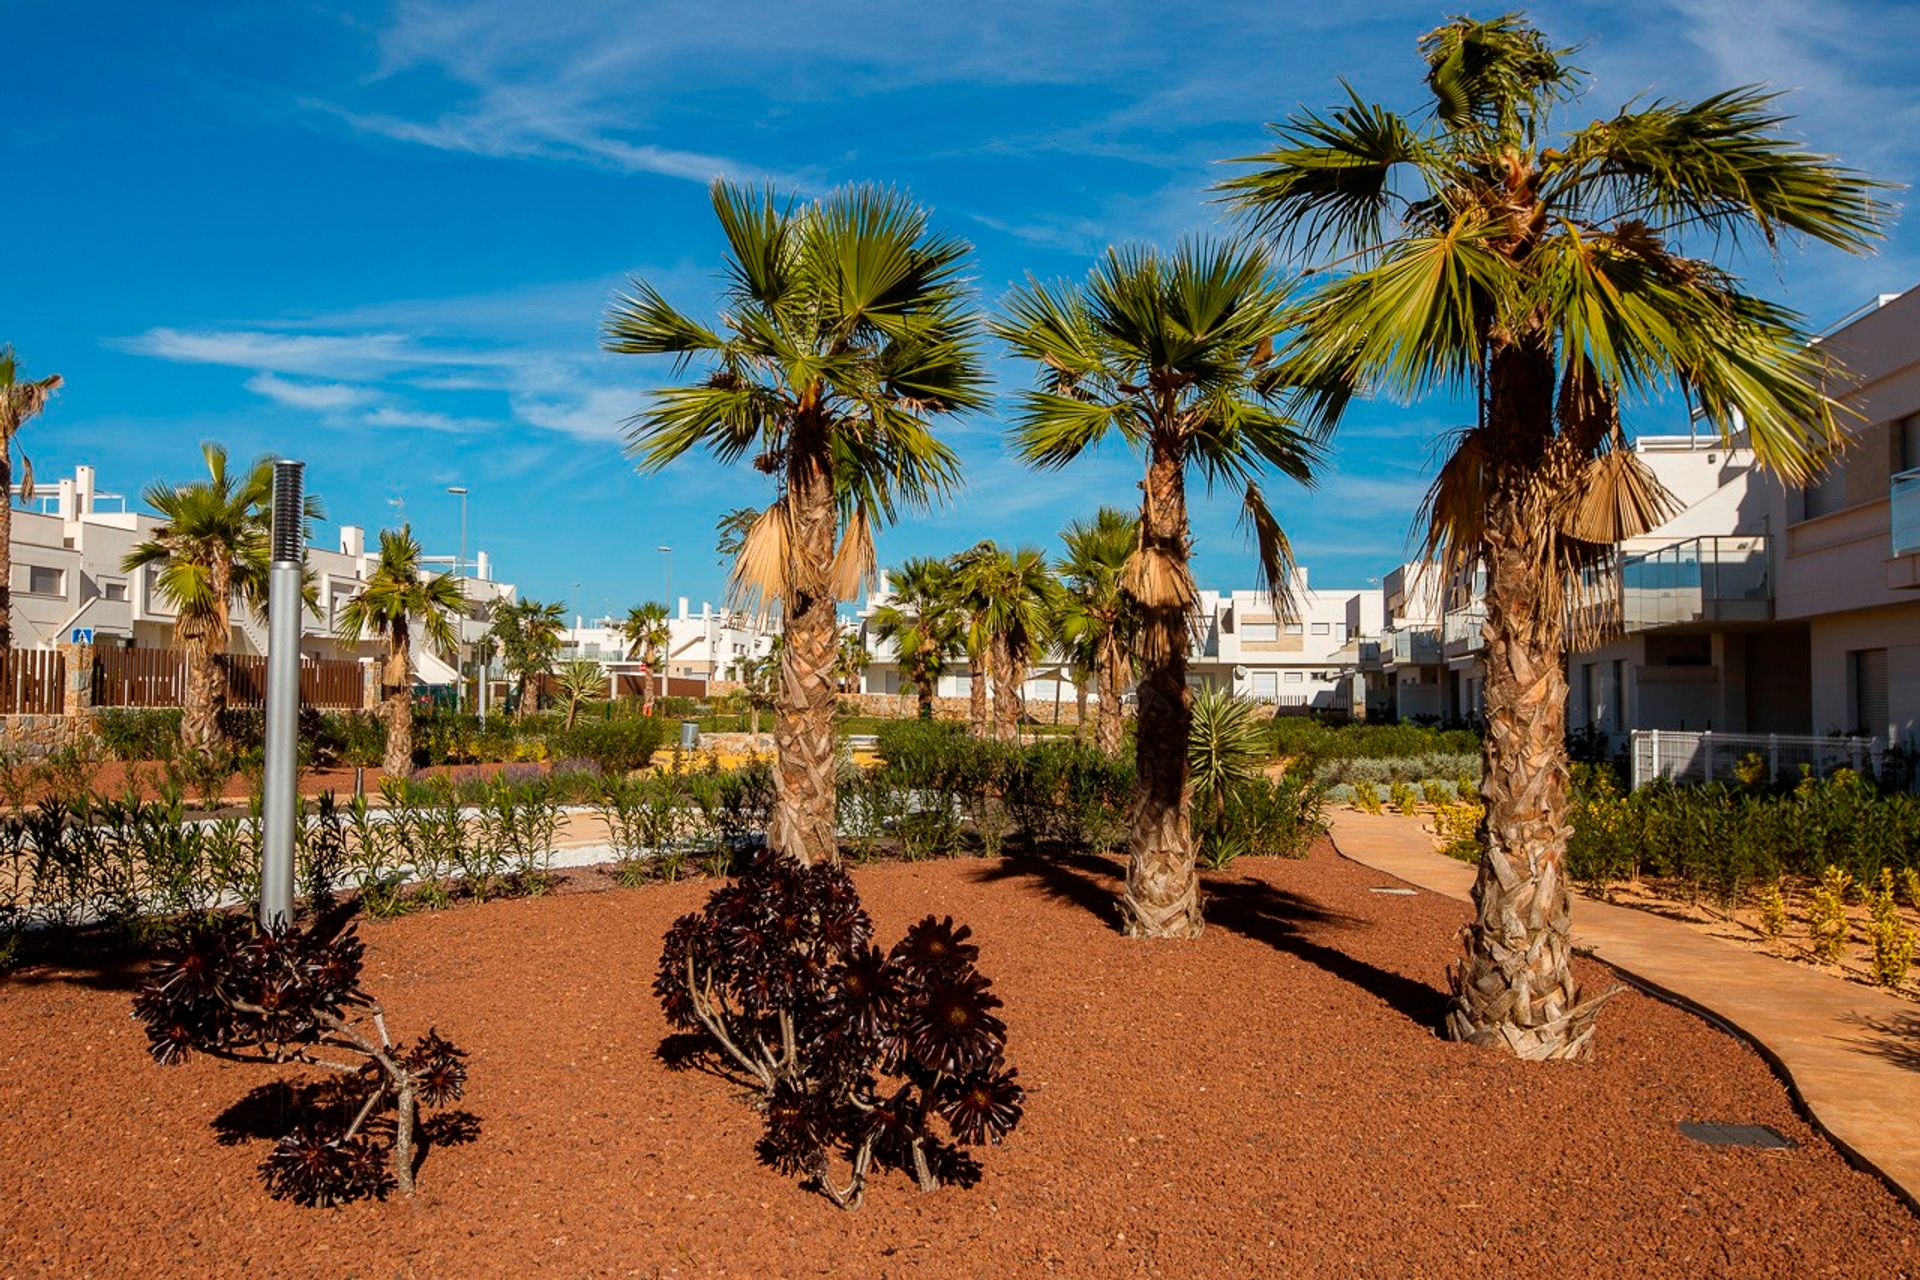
1681 756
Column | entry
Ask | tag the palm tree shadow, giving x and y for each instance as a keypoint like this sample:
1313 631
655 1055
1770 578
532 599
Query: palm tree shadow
1248 906
1896 1039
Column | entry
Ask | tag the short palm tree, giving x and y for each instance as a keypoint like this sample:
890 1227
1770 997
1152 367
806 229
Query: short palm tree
846 328
968 607
1172 353
20 399
648 633
210 548
396 596
1547 275
581 680
528 635
919 621
851 661
1020 597
1096 623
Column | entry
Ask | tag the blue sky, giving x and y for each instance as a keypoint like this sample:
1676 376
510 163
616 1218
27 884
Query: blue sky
381 237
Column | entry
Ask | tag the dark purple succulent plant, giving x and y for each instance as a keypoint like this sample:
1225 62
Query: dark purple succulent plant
852 1049
231 989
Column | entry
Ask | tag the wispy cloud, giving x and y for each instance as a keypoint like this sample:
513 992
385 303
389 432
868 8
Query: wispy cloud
320 396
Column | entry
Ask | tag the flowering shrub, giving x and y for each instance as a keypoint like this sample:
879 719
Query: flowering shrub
850 1048
231 989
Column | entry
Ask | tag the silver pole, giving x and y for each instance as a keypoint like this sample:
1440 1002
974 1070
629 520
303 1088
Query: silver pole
279 801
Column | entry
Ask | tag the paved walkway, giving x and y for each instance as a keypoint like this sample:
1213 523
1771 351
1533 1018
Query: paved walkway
1851 1053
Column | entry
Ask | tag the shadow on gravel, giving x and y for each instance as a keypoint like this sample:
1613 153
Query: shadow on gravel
1255 909
269 1112
1896 1039
1087 880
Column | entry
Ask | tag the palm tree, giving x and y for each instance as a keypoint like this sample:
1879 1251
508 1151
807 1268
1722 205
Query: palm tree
1097 624
211 547
396 594
581 680
850 662
1171 351
1020 597
968 607
648 633
19 401
846 328
920 622
528 633
1546 274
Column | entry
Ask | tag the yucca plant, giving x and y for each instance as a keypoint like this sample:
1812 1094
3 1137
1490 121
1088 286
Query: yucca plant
581 680
1172 352
846 329
1547 273
398 594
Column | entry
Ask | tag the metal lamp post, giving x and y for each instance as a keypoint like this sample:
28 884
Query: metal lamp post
459 571
278 800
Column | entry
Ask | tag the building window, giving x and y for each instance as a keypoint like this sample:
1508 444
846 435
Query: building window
1259 632
1340 632
1910 443
1293 628
113 590
39 580
1867 682
1295 677
1322 629
1827 493
1266 685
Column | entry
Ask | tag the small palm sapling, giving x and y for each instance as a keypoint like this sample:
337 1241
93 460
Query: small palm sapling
232 989
849 1047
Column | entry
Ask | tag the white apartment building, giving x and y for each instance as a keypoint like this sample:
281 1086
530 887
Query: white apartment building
68 546
1325 659
1762 607
712 646
1413 661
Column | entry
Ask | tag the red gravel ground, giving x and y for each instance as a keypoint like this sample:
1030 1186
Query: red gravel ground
1268 1100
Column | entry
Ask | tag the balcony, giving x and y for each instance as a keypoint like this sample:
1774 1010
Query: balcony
1906 513
1460 631
1412 647
1713 579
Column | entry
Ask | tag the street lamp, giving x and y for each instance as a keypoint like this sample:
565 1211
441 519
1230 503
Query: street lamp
666 549
459 571
460 563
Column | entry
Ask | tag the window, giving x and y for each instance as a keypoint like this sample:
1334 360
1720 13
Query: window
1293 628
1867 682
1340 632
1322 629
1827 492
43 581
1266 684
113 590
1909 433
1295 677
1259 632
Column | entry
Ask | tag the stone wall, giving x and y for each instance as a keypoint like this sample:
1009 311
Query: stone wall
36 736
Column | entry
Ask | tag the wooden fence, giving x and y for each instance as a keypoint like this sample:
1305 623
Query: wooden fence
158 678
33 682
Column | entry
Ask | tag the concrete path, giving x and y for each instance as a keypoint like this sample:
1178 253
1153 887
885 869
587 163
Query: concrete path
1849 1052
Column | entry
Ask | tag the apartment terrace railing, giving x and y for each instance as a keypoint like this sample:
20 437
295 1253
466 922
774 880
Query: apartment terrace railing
1680 756
1906 512
1414 646
1460 631
1708 579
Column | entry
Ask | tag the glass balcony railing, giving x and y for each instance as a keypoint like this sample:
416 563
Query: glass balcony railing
1715 579
1460 631
1413 646
1906 512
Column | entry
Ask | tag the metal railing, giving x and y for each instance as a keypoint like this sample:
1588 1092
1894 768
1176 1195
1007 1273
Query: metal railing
1905 513
1710 579
1681 756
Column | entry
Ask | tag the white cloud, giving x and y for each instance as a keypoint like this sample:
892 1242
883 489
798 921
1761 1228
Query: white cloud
393 416
309 395
314 355
599 414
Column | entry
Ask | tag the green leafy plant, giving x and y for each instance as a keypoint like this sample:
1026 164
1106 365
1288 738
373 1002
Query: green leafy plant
1827 915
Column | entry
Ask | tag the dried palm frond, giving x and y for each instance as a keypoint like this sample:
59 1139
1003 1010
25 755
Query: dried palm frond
854 564
1614 497
1455 508
759 576
1158 579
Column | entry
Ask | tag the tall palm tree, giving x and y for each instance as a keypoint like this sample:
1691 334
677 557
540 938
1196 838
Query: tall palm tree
20 400
1097 622
528 634
921 624
648 633
396 594
968 607
1546 274
1020 597
211 547
846 328
1172 352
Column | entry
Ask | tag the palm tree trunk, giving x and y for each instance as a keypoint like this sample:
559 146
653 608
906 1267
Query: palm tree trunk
6 544
1006 694
396 691
204 636
1110 734
1514 984
803 809
1162 898
1082 730
977 691
923 691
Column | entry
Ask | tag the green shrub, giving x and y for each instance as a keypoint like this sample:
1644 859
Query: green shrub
1311 743
138 733
616 746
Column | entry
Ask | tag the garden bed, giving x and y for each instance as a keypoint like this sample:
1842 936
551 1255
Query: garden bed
1270 1099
